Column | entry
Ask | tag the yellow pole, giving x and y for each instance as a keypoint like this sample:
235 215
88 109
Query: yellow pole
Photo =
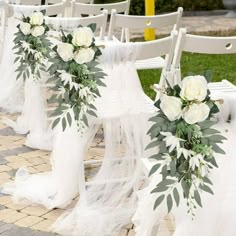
149 11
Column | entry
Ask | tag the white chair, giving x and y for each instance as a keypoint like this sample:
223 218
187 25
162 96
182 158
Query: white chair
143 51
140 23
34 2
205 45
55 1
85 1
69 24
11 9
79 8
25 2
55 9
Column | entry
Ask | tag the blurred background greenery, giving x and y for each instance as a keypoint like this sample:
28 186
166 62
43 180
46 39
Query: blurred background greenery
137 6
221 66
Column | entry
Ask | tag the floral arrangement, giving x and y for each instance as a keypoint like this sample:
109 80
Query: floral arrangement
77 77
187 142
32 46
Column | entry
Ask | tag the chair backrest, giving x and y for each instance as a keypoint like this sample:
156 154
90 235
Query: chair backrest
159 47
79 9
143 22
54 1
69 24
202 44
85 1
25 2
55 9
33 2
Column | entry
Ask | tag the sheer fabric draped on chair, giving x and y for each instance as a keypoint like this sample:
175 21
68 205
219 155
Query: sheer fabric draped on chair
33 106
121 102
213 219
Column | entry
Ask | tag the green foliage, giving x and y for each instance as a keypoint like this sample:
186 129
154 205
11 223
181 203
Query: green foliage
195 63
137 7
77 84
31 51
185 153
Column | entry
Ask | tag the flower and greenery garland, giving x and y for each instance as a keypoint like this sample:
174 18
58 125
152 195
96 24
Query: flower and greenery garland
76 76
187 143
32 46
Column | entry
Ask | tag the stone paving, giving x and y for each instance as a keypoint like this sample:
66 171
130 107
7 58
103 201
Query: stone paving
202 25
34 220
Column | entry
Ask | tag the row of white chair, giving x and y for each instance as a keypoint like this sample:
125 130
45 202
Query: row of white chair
118 22
80 7
201 44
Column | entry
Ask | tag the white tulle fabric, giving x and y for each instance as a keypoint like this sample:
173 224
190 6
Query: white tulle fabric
123 111
11 90
29 97
213 219
19 96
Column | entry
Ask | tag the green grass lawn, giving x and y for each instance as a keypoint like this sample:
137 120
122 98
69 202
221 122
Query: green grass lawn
221 66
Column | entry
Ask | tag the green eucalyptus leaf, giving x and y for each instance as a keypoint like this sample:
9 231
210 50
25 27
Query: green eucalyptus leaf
169 203
206 124
92 26
208 75
63 123
154 169
92 113
206 189
217 138
207 180
186 188
157 119
153 127
217 149
155 132
173 167
69 119
164 171
158 201
157 157
166 182
55 123
152 144
210 131
85 120
176 196
160 189
100 83
212 160
197 198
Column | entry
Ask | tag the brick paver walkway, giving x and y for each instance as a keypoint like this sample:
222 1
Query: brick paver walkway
34 220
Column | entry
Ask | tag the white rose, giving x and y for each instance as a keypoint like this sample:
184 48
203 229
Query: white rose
37 31
196 113
171 107
83 36
84 55
36 18
25 28
194 88
65 50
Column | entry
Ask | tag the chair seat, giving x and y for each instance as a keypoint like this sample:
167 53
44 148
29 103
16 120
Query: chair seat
222 86
152 63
